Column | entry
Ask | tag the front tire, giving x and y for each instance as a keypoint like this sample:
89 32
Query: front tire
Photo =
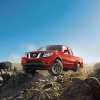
57 68
29 70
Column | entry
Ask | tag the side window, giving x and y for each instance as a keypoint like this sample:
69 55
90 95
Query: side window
65 50
70 51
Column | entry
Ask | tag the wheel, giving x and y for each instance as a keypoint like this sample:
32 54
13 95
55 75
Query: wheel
57 68
78 67
29 70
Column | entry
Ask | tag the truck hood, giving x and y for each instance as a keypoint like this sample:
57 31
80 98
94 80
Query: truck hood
47 51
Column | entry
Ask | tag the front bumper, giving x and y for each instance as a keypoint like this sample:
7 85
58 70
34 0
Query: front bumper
36 65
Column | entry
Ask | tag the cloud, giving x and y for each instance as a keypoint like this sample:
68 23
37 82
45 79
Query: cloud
28 47
16 55
14 58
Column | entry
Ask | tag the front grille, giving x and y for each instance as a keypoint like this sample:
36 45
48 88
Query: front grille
34 55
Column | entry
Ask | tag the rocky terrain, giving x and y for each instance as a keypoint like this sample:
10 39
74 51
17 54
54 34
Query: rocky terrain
42 86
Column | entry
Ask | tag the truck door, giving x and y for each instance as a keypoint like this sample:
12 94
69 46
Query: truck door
68 58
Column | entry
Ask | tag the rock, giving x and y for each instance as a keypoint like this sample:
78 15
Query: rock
78 90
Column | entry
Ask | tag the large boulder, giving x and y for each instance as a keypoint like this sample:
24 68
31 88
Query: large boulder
78 90
5 65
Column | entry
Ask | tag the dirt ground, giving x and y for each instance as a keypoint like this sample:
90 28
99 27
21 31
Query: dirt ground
42 86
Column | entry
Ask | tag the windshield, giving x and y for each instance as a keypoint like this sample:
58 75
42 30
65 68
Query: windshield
51 47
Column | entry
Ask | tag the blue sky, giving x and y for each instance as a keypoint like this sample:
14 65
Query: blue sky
29 24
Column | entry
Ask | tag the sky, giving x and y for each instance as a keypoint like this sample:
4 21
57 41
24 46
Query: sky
29 24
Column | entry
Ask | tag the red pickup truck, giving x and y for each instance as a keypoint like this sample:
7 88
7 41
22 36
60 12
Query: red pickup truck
54 58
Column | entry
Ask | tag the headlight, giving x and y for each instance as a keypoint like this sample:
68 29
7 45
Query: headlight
47 54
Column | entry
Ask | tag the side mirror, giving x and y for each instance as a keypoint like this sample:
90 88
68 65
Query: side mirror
66 52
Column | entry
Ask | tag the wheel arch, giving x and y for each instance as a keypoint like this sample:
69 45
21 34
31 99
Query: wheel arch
51 71
58 58
79 62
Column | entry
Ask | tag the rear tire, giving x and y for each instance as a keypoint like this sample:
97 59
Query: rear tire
57 68
78 67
